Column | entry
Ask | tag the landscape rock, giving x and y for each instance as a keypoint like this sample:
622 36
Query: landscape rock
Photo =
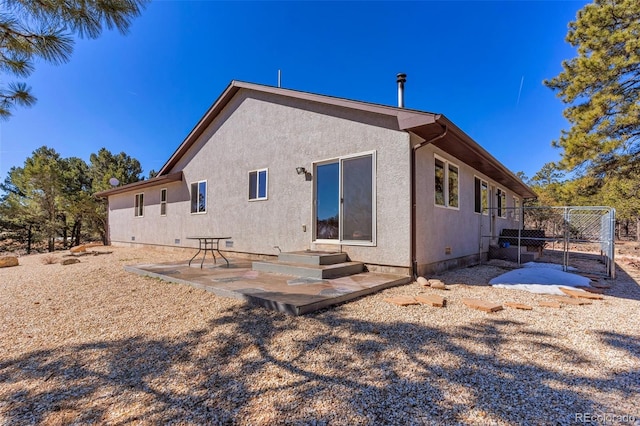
570 301
437 284
581 294
70 261
78 249
482 305
402 300
7 261
423 281
432 300
548 304
593 290
517 305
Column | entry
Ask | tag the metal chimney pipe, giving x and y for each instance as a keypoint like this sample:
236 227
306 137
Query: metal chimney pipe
402 78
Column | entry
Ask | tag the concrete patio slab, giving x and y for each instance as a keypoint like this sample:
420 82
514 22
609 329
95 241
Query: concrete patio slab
285 293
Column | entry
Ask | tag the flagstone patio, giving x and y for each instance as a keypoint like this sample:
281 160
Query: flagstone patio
285 293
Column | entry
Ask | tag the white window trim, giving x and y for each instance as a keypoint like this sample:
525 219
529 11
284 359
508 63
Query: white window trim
137 204
257 171
374 220
166 193
503 207
447 163
516 209
206 202
484 211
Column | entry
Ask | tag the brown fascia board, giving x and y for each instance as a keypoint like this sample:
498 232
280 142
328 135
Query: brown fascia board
406 117
489 165
332 100
201 126
408 120
155 181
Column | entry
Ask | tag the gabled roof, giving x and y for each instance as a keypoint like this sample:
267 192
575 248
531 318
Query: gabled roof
158 180
424 124
405 116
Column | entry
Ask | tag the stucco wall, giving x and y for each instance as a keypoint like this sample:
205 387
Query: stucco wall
447 234
258 130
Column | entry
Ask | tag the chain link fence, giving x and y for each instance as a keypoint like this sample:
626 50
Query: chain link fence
573 228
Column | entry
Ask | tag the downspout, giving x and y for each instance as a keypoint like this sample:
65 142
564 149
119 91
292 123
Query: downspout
414 260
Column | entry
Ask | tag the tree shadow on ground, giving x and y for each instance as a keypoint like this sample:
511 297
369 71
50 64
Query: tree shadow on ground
252 366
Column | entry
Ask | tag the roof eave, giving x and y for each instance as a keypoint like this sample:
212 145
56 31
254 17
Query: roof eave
155 181
406 117
514 182
201 126
465 149
418 122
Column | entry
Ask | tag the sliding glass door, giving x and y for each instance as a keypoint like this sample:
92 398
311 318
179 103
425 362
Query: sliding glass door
345 199
327 178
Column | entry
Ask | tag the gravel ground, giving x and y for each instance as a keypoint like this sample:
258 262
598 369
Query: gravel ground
91 343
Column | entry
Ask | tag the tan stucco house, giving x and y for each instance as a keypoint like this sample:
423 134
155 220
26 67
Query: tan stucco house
278 169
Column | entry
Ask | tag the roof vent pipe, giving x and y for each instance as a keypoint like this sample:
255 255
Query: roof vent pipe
402 78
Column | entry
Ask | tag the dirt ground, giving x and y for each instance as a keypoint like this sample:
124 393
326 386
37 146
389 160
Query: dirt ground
90 343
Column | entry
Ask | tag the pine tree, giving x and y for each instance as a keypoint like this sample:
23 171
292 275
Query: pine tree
624 194
43 185
18 220
104 166
32 29
51 196
602 88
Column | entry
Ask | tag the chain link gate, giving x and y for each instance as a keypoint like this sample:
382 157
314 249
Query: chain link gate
570 226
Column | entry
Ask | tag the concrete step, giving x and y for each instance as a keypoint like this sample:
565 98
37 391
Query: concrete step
313 257
310 271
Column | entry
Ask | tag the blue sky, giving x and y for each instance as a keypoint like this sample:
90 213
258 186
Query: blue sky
142 93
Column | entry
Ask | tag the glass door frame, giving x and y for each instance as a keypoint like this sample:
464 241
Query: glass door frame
339 240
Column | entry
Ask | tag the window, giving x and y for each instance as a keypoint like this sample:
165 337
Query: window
516 205
485 198
502 203
199 197
163 202
345 200
258 181
439 182
481 197
139 205
453 186
446 184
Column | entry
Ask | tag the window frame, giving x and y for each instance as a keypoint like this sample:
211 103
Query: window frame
436 192
516 209
457 189
138 205
257 184
374 179
446 183
481 198
501 202
191 204
163 201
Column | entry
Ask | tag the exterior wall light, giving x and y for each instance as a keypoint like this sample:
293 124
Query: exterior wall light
301 170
